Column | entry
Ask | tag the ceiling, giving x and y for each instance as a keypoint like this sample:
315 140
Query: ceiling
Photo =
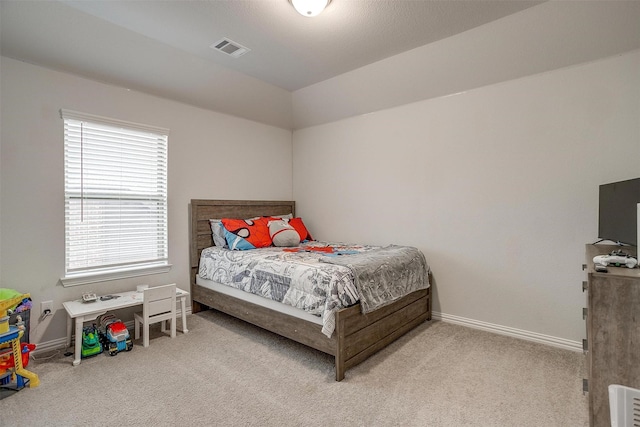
163 47
288 50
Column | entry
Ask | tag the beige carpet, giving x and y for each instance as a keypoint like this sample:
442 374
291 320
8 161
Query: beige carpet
228 373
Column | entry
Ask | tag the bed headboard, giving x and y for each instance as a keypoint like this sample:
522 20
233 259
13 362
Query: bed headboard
204 210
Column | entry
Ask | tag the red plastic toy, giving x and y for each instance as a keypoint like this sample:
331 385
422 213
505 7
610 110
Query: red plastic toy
8 362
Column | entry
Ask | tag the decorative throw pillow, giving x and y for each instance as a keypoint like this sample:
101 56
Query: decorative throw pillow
244 234
217 232
282 234
287 216
300 228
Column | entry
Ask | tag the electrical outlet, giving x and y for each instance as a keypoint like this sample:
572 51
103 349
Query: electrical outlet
46 306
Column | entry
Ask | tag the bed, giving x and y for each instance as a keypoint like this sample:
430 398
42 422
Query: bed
356 335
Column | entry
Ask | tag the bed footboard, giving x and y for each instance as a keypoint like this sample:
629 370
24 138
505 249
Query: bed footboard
302 331
361 335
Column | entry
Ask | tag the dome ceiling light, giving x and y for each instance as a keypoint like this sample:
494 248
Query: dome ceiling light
310 8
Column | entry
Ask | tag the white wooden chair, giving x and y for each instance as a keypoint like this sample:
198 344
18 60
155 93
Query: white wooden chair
159 305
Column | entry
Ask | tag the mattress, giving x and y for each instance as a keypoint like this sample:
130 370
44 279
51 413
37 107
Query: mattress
258 300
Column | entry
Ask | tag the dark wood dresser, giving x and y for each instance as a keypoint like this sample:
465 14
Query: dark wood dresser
613 331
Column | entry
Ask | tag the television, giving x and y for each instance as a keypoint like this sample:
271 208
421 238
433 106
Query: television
619 211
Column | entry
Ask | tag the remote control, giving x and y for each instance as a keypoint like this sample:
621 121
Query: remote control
601 268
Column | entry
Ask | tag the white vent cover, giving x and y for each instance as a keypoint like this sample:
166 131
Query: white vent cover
230 47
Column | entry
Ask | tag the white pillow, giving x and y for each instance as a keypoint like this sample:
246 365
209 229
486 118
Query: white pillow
217 232
287 216
282 234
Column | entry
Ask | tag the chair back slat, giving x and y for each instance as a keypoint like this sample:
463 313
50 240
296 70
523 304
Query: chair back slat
160 306
159 300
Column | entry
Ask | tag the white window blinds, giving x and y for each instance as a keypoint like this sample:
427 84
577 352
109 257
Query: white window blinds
115 194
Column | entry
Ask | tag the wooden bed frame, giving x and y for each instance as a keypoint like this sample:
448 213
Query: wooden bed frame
356 337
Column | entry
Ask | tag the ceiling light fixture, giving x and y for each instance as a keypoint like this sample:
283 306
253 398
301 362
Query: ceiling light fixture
310 8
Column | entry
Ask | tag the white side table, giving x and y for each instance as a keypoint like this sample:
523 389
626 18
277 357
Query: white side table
87 311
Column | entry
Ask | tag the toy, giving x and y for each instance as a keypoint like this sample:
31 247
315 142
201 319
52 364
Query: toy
13 362
89 297
91 344
616 259
115 337
9 299
19 323
7 361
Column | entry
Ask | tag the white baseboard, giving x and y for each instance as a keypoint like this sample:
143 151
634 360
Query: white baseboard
44 347
512 332
61 343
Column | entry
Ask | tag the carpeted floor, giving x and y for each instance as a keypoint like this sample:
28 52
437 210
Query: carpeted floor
228 373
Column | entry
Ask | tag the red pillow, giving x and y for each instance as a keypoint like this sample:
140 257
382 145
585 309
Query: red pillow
243 234
300 228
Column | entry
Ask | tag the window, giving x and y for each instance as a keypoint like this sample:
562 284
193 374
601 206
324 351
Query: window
115 199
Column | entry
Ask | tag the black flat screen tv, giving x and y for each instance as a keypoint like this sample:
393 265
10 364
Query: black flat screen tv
618 212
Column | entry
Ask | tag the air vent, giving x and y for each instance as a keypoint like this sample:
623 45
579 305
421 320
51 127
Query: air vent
230 47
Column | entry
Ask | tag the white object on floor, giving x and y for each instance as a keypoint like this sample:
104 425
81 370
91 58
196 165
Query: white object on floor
158 305
624 405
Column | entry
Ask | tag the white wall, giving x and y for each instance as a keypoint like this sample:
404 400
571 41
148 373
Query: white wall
498 186
546 37
211 155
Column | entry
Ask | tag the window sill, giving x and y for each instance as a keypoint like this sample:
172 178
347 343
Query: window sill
85 279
